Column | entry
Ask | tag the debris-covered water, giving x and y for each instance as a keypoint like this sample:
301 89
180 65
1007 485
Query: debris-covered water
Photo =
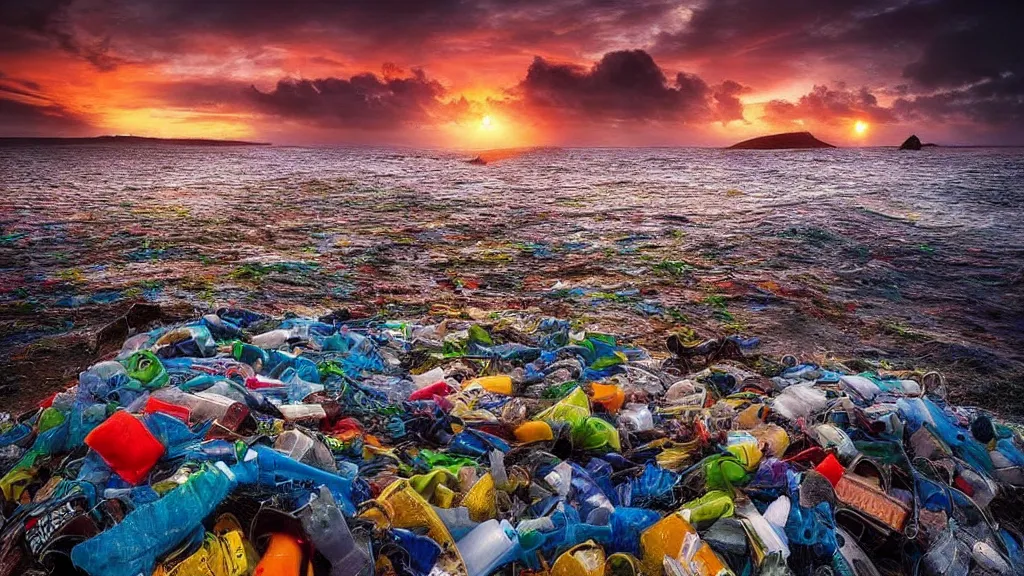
904 258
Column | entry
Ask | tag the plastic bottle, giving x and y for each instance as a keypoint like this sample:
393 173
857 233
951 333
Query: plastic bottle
151 530
300 447
154 404
294 444
302 412
488 546
831 437
275 469
205 406
326 527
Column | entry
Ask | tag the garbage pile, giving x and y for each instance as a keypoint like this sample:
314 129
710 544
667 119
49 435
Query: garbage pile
240 444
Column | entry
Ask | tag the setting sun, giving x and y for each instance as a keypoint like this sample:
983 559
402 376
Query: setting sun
486 122
860 127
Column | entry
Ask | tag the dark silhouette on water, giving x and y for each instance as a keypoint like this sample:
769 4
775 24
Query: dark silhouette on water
912 143
127 140
787 141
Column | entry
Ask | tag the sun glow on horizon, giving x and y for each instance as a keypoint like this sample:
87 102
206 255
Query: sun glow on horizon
860 127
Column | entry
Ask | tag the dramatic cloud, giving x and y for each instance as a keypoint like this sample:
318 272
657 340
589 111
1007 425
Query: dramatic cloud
26 111
826 105
26 25
36 117
624 86
363 101
724 68
998 102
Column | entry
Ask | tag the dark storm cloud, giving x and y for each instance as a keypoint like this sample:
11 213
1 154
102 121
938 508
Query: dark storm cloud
109 32
363 101
934 42
146 29
36 24
626 85
957 58
995 102
38 118
830 106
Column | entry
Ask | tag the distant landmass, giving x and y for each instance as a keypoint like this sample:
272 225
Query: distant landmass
789 140
129 140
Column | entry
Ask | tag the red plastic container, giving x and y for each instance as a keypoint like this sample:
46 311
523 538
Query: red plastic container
157 405
126 445
831 468
428 392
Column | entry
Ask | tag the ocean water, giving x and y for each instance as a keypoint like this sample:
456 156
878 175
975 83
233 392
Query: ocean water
911 258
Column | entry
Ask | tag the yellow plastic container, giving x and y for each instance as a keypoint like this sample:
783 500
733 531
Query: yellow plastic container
400 506
534 431
773 439
225 552
480 500
586 559
495 384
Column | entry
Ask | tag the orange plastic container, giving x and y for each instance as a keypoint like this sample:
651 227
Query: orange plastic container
608 395
283 557
534 431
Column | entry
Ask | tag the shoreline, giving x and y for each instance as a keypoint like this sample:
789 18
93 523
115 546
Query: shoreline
639 258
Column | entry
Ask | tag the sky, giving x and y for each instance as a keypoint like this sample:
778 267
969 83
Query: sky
502 73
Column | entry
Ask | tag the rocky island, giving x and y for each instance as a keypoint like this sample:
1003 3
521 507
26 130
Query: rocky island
787 141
